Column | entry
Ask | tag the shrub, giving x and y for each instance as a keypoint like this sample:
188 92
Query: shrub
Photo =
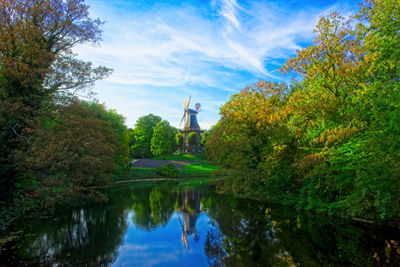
168 170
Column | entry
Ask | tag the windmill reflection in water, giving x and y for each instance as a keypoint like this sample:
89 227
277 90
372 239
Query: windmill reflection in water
190 210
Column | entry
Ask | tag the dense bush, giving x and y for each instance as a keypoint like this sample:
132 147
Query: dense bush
78 147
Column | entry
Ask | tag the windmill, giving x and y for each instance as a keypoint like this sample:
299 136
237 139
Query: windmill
190 116
190 125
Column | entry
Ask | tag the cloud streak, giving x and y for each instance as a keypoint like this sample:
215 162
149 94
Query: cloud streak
229 9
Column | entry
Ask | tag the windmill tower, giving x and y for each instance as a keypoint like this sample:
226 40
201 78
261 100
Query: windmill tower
191 125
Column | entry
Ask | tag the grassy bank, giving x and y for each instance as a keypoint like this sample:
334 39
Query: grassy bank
184 157
199 168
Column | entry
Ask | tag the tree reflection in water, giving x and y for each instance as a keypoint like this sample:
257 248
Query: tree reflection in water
238 233
248 233
86 236
152 206
241 235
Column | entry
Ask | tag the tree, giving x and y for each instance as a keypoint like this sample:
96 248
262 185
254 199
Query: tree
333 71
36 60
70 150
204 138
163 140
132 142
143 133
117 123
346 117
333 137
251 120
193 140
37 66
179 140
251 137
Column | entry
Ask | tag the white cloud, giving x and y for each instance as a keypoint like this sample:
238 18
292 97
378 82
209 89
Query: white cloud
229 10
161 53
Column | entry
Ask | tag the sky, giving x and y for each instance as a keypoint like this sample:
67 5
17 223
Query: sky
162 52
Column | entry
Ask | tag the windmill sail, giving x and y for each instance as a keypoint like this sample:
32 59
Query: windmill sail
185 107
184 115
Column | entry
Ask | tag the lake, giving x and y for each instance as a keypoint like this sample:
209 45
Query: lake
172 225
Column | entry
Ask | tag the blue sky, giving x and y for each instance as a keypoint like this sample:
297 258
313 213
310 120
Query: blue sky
165 51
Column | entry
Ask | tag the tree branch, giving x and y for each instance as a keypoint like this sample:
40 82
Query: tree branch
17 134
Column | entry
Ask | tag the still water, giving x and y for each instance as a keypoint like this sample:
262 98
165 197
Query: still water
169 225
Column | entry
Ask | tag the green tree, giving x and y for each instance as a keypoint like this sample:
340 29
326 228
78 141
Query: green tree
143 133
163 140
204 138
179 140
331 142
193 140
376 184
132 142
346 117
324 115
117 123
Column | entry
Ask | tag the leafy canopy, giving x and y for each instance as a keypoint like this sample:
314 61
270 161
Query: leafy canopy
143 133
163 140
330 141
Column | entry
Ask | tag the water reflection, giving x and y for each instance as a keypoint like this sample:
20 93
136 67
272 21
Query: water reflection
190 210
152 207
85 236
179 226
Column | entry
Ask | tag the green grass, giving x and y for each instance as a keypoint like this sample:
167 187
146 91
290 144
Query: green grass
202 168
186 157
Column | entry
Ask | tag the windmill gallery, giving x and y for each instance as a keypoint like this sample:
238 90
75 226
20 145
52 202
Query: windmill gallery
191 125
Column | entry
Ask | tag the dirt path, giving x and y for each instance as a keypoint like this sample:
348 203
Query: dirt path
152 163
